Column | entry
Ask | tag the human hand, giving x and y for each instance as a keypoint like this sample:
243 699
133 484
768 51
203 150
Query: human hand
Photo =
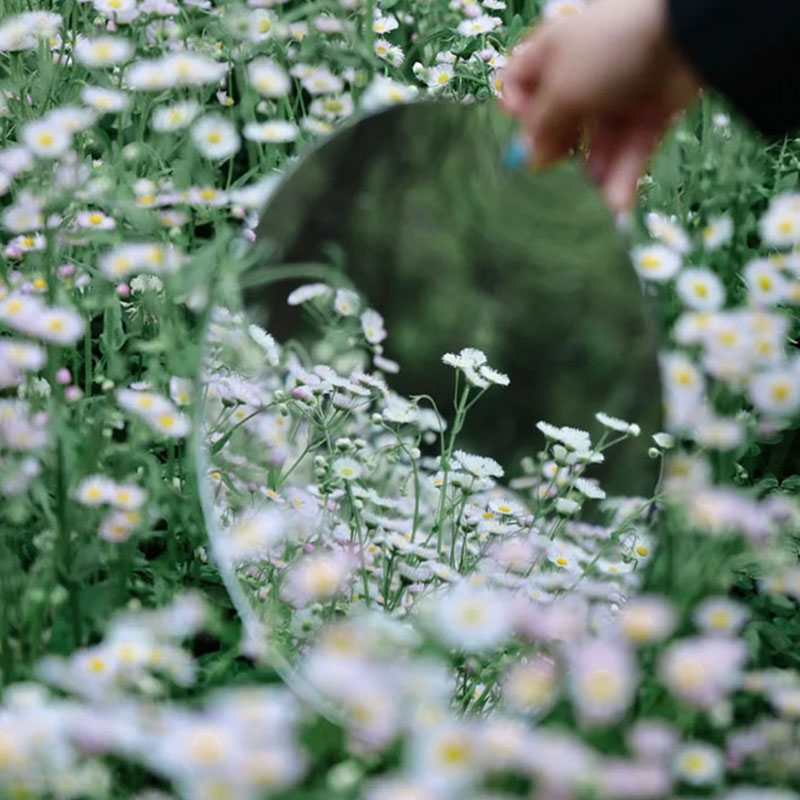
608 73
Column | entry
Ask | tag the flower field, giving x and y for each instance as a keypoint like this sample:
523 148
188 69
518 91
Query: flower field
235 567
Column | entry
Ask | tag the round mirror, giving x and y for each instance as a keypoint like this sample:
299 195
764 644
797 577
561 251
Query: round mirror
417 315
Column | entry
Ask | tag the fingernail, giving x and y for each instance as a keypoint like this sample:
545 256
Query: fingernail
518 153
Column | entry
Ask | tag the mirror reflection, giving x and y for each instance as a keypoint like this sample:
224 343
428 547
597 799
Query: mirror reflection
437 379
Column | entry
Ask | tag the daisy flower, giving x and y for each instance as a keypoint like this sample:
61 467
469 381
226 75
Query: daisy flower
383 91
271 131
700 289
332 107
720 615
765 284
268 78
119 11
667 231
385 23
96 490
372 326
347 468
472 619
104 100
346 302
45 139
780 225
717 232
322 81
602 680
656 262
215 137
698 764
103 51
477 26
440 75
58 325
776 391
95 220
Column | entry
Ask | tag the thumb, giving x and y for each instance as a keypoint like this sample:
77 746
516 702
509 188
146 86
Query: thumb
629 162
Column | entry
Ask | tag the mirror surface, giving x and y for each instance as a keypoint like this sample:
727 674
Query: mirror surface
334 482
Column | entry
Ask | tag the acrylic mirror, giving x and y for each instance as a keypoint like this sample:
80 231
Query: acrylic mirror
346 467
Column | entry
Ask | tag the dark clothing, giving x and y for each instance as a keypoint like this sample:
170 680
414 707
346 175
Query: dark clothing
750 51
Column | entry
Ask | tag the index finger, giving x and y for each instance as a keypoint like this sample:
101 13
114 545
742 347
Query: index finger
521 76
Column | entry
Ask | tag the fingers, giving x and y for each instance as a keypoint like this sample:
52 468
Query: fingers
627 162
521 76
554 127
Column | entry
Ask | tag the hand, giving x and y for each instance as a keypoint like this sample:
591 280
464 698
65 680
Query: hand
608 73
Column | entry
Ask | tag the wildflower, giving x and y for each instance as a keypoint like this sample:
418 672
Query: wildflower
439 75
58 325
656 262
698 764
347 468
532 686
383 91
616 424
95 220
646 619
472 619
25 215
720 615
372 326
46 139
477 26
316 577
718 231
479 466
776 391
174 117
566 556
780 225
575 439
445 757
127 496
384 23
700 289
271 131
117 526
765 284
602 680
332 107
104 100
493 376
103 51
120 11
96 490
309 291
215 137
667 231
321 81
268 78
701 671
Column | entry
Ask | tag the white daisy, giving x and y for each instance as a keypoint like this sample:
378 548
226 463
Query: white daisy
103 51
700 289
656 262
268 78
215 137
271 131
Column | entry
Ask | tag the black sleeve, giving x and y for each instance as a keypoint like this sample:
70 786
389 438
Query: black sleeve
750 51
